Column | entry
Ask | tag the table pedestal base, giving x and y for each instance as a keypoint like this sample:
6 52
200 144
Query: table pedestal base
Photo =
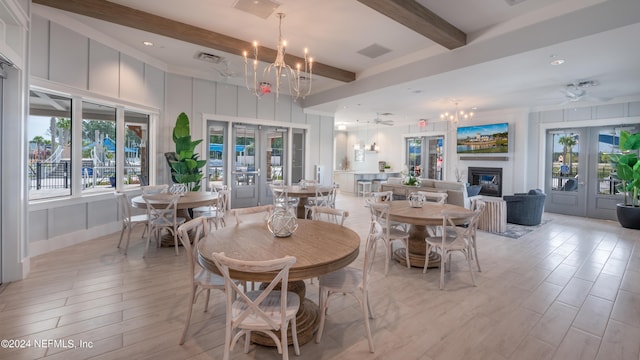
417 249
307 320
416 260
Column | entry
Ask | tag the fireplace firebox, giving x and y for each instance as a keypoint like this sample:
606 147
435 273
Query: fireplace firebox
489 178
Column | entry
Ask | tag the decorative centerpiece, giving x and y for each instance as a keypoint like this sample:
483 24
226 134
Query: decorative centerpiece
282 223
412 181
416 200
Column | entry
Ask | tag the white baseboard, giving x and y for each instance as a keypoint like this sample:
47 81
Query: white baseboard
44 246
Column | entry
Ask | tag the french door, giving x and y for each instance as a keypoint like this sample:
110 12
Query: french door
578 181
257 158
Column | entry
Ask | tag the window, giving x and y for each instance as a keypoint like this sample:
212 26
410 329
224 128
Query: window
136 151
98 147
49 133
51 167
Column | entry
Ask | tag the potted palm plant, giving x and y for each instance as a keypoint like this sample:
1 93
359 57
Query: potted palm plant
184 162
626 169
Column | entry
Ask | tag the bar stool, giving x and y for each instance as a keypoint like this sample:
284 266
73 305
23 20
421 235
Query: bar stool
364 187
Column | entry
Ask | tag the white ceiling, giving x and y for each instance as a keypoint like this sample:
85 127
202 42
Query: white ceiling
505 64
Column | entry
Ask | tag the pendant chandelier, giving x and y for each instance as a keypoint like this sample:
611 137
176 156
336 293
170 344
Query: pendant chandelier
298 79
456 115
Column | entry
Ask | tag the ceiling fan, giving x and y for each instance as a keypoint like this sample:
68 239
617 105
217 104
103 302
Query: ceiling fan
226 72
577 91
378 120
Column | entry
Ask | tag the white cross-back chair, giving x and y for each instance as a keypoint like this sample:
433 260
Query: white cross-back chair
380 213
129 221
319 200
266 310
190 234
323 213
163 215
282 199
216 212
438 198
251 213
454 238
352 281
478 206
154 189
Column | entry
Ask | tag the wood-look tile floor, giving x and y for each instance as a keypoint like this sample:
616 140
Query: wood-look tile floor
569 290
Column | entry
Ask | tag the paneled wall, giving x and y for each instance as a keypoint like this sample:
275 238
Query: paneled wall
72 59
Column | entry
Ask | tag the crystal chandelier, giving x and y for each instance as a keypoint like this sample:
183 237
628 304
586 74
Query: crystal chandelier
299 79
456 115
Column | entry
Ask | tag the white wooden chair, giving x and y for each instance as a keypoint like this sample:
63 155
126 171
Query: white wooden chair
438 198
282 199
266 310
215 213
380 213
319 200
478 206
163 217
190 234
323 213
243 214
154 189
129 221
454 238
352 281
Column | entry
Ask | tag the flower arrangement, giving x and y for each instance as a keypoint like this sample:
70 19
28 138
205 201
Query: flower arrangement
412 181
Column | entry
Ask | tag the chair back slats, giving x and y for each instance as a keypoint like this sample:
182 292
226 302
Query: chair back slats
282 265
162 213
440 198
381 196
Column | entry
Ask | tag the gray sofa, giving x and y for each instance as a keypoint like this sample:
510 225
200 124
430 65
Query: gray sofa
525 208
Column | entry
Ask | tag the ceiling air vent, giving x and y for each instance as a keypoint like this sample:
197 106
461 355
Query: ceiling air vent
373 51
209 57
260 8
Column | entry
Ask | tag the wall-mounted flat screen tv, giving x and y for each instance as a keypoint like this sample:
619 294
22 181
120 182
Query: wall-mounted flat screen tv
483 139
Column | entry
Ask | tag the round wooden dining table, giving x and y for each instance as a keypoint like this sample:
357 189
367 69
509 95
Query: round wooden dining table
303 193
419 218
319 248
189 200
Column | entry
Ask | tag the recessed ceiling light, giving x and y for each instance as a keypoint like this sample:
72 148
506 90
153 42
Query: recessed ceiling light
147 43
557 62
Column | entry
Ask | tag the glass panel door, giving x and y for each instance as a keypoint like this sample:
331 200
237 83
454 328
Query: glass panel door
244 186
567 172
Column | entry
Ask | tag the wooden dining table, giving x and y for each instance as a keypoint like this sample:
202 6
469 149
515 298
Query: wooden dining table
303 193
319 248
418 219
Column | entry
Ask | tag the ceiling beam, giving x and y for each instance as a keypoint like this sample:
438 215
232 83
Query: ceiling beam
126 16
421 20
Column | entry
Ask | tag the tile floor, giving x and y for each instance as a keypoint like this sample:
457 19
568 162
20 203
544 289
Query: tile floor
569 290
